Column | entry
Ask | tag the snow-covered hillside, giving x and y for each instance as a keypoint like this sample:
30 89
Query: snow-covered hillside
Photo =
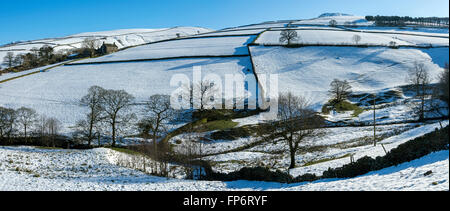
122 38
341 37
29 168
378 63
225 46
308 71
341 19
56 92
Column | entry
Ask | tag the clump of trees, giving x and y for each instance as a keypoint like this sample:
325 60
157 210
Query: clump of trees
25 126
36 58
46 55
105 107
403 21
333 23
89 46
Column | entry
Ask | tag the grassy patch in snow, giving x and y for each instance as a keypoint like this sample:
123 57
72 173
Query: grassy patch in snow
342 107
218 125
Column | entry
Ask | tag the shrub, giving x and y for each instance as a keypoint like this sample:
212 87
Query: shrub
253 174
305 178
360 167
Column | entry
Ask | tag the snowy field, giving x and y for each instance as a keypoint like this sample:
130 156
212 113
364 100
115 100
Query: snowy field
266 25
331 148
56 93
220 46
333 37
408 30
28 168
306 71
232 32
340 19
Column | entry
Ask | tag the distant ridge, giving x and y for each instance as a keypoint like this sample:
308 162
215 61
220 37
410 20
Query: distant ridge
333 14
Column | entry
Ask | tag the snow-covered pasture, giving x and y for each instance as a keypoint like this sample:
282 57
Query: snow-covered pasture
340 20
216 46
342 37
332 148
308 71
56 93
408 30
234 32
29 168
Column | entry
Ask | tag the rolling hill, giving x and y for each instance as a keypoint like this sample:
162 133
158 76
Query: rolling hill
377 64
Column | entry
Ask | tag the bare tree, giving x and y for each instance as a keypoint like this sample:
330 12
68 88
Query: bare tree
46 53
333 23
443 83
392 44
296 122
26 117
18 60
340 90
116 104
201 94
52 126
93 101
8 60
7 119
419 77
91 45
288 35
438 104
356 38
158 114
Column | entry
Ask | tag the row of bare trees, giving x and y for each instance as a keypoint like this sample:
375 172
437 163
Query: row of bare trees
46 55
403 21
109 112
24 124
36 58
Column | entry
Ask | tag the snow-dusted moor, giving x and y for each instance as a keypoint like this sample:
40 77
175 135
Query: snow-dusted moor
361 106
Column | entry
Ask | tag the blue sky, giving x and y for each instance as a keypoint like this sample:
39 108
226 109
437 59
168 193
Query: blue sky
35 19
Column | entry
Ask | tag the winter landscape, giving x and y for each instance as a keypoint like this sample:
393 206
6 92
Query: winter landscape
361 105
